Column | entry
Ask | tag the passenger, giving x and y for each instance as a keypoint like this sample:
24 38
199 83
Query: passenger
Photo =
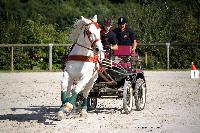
109 41
108 37
125 35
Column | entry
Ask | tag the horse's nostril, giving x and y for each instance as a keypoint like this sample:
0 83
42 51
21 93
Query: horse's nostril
97 49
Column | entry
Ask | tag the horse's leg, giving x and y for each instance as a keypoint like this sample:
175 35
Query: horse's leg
85 92
79 87
66 84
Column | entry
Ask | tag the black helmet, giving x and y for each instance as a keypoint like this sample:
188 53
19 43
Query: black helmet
122 20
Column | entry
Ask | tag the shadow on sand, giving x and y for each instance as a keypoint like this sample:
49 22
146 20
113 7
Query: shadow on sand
46 114
42 114
106 110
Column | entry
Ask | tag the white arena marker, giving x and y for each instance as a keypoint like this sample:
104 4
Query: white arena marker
195 74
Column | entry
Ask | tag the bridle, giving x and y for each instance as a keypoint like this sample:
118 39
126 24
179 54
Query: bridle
88 34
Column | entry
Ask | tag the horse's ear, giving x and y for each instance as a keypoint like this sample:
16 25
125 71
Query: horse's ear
94 18
83 18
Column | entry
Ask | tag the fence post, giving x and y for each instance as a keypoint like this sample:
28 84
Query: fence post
146 59
168 44
12 51
50 56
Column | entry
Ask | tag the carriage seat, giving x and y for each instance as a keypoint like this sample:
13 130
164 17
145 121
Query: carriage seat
124 50
126 57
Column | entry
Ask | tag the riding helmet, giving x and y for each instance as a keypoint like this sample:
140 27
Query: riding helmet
122 20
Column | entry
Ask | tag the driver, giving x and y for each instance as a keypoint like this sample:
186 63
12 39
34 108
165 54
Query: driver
125 35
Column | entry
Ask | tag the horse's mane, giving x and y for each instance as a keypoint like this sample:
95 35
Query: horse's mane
76 28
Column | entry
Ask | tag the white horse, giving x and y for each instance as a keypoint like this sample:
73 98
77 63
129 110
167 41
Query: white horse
81 64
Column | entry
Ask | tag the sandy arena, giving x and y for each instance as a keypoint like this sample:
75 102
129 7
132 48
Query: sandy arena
29 102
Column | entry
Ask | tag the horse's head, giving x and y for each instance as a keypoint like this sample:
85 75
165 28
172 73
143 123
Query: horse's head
86 33
92 34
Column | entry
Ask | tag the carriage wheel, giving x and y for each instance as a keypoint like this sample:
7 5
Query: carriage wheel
140 94
91 103
127 97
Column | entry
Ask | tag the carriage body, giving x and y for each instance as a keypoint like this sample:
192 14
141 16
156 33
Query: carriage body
121 77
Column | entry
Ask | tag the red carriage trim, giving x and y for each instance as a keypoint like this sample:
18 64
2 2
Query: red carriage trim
82 58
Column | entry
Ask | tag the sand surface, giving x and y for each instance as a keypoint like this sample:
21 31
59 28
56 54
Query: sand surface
29 102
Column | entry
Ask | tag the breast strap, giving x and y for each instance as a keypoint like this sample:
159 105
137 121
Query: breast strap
82 58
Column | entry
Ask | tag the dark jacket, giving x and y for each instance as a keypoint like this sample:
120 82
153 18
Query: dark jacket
125 37
109 38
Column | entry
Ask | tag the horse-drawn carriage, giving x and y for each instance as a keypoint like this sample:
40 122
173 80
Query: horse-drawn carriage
120 77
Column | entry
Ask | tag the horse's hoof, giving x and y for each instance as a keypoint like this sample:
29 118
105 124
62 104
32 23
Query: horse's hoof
68 107
60 116
83 114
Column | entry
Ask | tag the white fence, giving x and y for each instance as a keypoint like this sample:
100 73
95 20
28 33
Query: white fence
32 45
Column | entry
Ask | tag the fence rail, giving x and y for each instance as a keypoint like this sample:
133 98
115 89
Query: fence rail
32 45
50 46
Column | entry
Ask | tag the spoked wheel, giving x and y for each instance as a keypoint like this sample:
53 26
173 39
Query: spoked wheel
91 103
140 94
127 97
